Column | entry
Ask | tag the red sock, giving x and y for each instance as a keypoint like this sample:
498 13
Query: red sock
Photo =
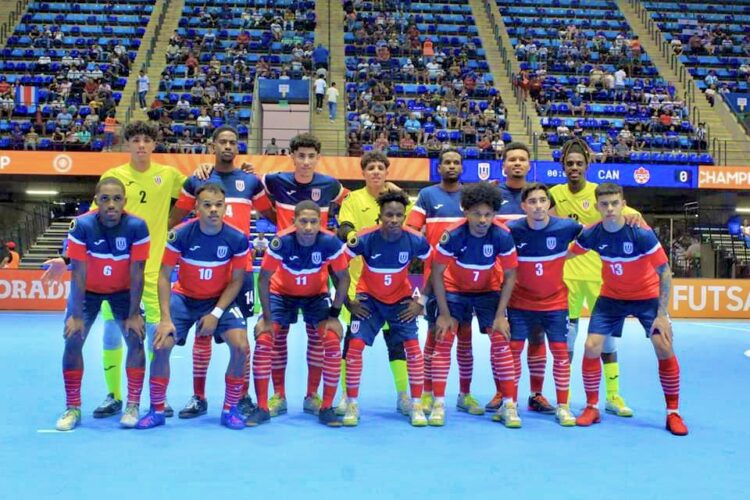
135 384
331 367
536 357
592 374
246 373
72 379
441 364
465 358
429 352
232 392
201 359
503 368
669 374
314 360
561 370
516 348
354 367
414 366
278 364
262 369
158 390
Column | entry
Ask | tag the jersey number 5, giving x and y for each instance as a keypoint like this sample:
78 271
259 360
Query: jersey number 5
387 279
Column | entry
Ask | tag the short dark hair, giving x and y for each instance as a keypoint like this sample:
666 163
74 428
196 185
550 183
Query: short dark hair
140 128
306 140
481 192
608 188
449 150
534 186
210 187
516 145
373 156
109 180
306 205
222 129
393 196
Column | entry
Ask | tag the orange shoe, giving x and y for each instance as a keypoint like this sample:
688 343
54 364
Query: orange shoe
588 416
675 425
539 403
495 403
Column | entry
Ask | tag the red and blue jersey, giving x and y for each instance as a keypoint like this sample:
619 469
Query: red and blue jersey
472 261
206 261
541 260
385 272
435 211
108 251
511 204
302 271
286 192
629 256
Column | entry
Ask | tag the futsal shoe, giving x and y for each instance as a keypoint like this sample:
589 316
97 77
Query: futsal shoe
437 415
109 407
246 405
616 406
168 410
194 408
68 421
403 403
588 416
351 417
495 403
676 425
341 407
428 400
468 403
507 415
151 419
233 419
417 416
328 418
258 417
564 416
277 405
129 416
539 404
312 404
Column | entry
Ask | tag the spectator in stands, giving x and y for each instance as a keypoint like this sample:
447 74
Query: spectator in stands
203 122
355 146
12 260
407 143
576 105
621 150
320 86
83 137
272 148
7 105
693 256
710 93
31 140
332 96
110 127
433 146
620 77
711 78
64 120
320 57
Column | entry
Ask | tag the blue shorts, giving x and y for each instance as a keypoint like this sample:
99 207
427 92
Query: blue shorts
609 315
92 304
285 309
246 298
483 304
186 312
380 313
524 322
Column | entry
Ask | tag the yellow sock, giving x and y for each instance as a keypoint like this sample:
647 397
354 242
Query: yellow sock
112 360
400 375
612 379
343 377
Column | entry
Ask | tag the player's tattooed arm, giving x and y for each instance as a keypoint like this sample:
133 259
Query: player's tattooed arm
501 321
134 323
74 324
444 322
662 323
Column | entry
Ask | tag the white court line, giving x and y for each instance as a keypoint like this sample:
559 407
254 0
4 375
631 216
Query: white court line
53 431
714 325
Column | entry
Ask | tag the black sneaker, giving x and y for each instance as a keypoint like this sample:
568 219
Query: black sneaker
246 405
257 417
109 407
194 408
539 403
168 410
328 418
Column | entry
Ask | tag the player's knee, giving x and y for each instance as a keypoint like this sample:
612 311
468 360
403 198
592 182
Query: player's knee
74 344
610 345
396 350
594 343
112 337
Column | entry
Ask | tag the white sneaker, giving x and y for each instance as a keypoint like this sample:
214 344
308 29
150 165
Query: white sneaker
437 416
427 401
129 417
565 416
507 414
418 418
351 417
340 409
69 419
403 403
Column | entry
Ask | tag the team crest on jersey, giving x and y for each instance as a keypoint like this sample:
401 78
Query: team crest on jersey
487 250
586 204
403 257
483 171
275 244
315 194
551 243
445 237
222 251
171 236
73 224
239 184
627 247
316 258
121 243
157 179
354 326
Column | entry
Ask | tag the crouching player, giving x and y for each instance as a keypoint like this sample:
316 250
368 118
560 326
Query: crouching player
636 282
212 257
108 250
465 282
385 295
294 276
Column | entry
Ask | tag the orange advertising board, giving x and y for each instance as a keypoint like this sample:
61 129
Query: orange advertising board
711 177
94 164
23 290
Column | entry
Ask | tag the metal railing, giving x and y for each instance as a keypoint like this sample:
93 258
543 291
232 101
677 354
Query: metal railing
28 227
7 27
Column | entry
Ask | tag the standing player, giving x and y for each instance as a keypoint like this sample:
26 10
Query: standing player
465 281
384 295
360 210
583 275
243 192
108 249
212 256
540 299
294 276
636 281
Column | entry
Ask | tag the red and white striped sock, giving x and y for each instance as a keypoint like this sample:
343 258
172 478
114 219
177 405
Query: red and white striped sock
278 364
201 359
592 374
232 392
669 374
158 392
429 352
331 367
516 348
246 372
415 367
465 358
314 359
135 384
561 370
262 368
536 357
72 379
441 364
503 368
354 367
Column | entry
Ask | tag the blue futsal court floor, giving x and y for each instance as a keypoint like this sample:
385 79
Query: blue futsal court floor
295 457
